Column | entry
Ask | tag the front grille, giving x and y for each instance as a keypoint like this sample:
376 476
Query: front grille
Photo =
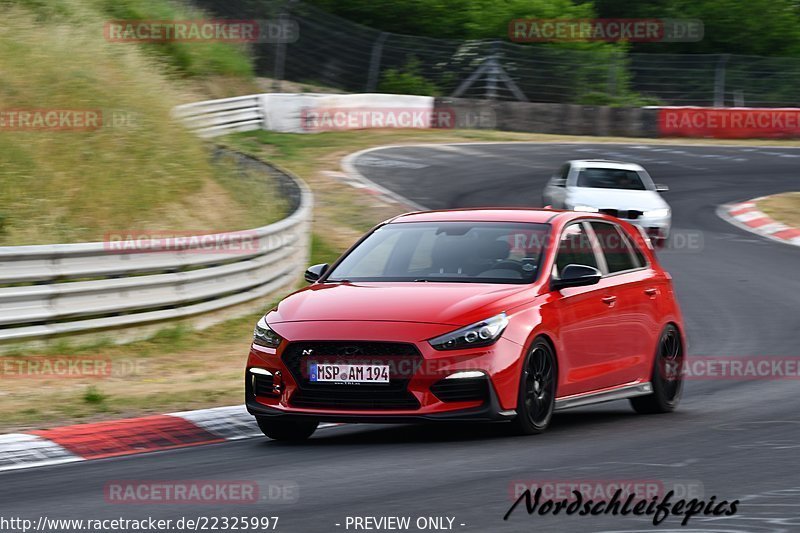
351 399
629 214
461 390
403 360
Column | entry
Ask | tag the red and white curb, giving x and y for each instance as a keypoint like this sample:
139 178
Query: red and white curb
114 438
747 216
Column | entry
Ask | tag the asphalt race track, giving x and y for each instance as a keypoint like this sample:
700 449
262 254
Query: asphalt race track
735 439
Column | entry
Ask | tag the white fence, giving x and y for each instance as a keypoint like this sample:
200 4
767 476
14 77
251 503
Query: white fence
305 113
218 117
74 288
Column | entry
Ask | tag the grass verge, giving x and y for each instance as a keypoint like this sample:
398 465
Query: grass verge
783 208
137 169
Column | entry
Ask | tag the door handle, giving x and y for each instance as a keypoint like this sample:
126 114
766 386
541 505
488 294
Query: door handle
651 292
609 300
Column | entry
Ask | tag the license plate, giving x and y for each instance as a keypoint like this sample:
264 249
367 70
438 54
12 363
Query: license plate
341 373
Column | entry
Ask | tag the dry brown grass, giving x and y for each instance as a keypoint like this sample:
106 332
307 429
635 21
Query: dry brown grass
71 186
783 208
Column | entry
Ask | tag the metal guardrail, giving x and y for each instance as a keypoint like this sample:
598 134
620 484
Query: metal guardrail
219 117
69 288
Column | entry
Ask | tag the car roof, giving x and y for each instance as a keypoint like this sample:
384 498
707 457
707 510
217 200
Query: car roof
488 214
605 163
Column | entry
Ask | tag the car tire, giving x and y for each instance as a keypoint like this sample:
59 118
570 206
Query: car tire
287 430
537 390
667 376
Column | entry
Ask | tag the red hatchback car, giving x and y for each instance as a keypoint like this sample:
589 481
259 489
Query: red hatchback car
471 314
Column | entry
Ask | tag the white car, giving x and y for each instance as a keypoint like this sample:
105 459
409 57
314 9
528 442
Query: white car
622 190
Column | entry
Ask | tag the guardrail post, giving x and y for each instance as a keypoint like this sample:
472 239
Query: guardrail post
719 81
375 62
263 106
280 56
613 73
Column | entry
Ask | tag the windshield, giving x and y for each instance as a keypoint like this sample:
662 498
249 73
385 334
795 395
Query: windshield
473 252
611 178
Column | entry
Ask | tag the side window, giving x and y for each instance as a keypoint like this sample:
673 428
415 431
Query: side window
616 248
641 259
560 179
574 248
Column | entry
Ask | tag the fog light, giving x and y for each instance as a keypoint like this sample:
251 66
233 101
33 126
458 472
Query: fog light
466 374
266 383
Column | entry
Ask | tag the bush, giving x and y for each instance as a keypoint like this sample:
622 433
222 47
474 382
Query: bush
407 81
625 100
93 395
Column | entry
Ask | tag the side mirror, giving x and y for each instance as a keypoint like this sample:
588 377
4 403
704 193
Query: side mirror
315 272
660 187
576 276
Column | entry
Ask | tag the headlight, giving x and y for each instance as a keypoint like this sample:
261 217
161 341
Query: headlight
481 333
264 336
659 213
586 209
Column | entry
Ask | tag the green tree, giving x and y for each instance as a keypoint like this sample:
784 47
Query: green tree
751 27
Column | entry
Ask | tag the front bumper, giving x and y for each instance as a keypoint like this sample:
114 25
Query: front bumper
288 395
490 411
656 227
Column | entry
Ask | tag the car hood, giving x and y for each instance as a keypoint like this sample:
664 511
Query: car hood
455 304
616 199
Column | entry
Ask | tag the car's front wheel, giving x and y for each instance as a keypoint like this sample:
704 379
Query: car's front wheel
285 429
667 377
537 390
